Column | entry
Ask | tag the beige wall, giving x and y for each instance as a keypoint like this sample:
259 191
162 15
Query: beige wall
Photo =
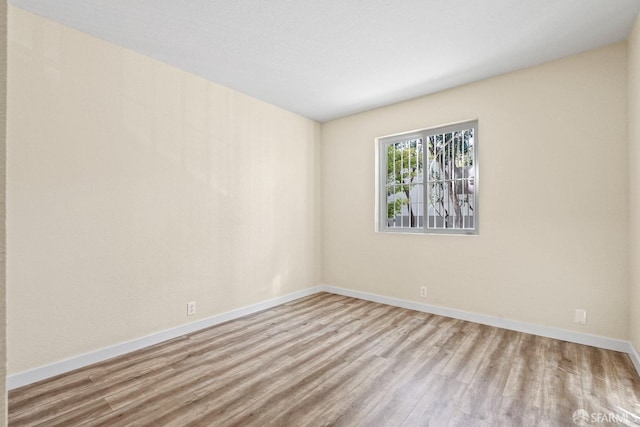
553 199
134 187
634 190
3 115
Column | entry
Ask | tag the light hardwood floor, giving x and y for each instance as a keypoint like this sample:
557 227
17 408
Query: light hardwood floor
333 360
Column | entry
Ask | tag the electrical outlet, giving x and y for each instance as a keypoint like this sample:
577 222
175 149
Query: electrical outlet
581 316
191 308
423 291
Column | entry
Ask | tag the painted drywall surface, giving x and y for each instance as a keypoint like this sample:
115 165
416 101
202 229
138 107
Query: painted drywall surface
134 187
633 48
3 163
553 199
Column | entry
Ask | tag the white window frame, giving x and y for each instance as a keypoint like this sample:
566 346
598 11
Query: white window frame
427 226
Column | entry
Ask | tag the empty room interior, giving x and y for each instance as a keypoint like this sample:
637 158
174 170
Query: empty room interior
321 213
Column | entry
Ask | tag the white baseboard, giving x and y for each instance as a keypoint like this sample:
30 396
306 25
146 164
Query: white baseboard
57 368
635 357
514 325
48 371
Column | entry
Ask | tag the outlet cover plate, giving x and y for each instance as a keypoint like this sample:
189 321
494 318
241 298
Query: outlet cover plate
191 308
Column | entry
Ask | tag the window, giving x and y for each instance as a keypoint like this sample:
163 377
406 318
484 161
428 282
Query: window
428 181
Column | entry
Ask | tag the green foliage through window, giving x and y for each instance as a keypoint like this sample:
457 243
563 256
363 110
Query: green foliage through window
429 180
404 169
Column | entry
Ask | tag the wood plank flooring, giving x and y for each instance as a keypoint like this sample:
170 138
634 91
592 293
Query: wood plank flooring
333 360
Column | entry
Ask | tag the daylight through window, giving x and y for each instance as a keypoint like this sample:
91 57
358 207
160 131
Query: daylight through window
429 181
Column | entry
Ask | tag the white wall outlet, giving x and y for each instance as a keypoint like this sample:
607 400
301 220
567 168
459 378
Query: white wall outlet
191 308
581 316
423 291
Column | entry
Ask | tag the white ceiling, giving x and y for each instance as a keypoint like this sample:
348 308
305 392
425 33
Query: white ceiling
326 59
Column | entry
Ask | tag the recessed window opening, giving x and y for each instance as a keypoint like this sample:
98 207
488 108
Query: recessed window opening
428 181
